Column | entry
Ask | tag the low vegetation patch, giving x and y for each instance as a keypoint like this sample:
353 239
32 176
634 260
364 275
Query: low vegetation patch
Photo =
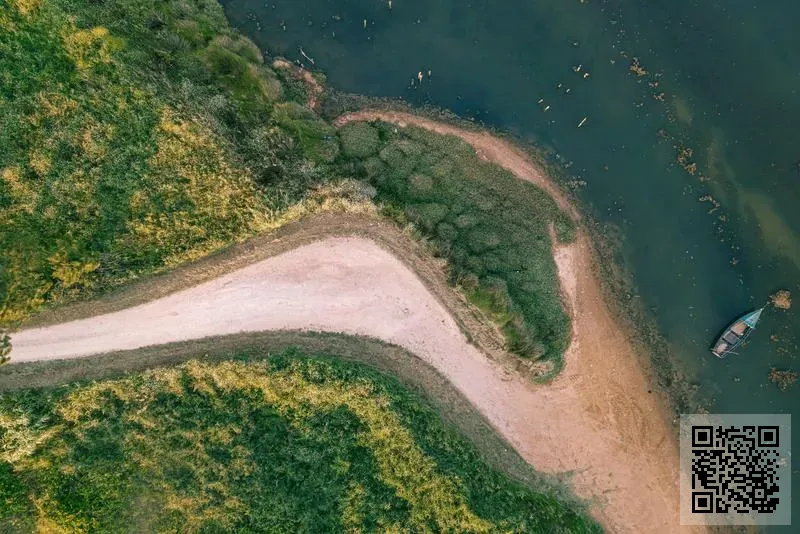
781 299
492 227
782 378
284 444
130 148
134 135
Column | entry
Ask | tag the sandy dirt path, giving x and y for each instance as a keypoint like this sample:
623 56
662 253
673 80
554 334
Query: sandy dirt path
585 422
597 420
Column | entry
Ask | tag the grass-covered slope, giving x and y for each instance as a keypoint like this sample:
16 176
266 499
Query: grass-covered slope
134 134
288 444
492 227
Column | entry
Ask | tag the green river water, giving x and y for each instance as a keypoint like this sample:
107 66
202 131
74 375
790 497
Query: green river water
729 71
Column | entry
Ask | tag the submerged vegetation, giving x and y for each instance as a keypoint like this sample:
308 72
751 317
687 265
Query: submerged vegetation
781 299
491 227
783 379
284 444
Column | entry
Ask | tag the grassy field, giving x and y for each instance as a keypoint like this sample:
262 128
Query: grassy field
491 227
135 135
289 443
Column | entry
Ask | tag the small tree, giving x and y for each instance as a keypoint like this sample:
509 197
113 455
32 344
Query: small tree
5 347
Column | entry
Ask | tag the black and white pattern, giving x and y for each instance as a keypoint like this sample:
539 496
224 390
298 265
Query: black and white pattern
736 469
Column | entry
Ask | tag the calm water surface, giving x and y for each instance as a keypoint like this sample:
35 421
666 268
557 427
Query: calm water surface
722 79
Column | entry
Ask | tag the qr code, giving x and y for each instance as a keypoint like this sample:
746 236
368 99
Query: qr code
738 469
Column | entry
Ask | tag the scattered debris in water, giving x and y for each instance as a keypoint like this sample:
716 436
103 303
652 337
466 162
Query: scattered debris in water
684 159
783 379
712 200
303 53
637 68
782 299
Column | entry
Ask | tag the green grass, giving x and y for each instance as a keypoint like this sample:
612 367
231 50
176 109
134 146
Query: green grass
492 227
135 135
291 443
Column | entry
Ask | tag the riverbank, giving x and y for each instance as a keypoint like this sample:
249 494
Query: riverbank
600 420
610 384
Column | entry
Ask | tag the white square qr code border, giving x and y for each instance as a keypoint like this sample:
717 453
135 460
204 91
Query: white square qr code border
749 461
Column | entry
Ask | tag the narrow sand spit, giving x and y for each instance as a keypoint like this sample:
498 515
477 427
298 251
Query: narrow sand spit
597 420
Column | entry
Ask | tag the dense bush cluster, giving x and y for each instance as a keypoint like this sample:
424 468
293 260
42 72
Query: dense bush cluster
491 227
288 444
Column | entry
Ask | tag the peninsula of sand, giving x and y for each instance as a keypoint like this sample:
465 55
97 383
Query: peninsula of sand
598 424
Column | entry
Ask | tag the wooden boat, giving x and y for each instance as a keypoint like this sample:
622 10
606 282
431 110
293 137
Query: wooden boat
736 333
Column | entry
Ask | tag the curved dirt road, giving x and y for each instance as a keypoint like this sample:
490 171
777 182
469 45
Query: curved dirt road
352 285
597 420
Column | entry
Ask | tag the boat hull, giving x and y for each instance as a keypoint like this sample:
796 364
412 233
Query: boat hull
735 334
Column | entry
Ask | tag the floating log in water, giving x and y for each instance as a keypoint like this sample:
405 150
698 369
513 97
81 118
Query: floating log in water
303 53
